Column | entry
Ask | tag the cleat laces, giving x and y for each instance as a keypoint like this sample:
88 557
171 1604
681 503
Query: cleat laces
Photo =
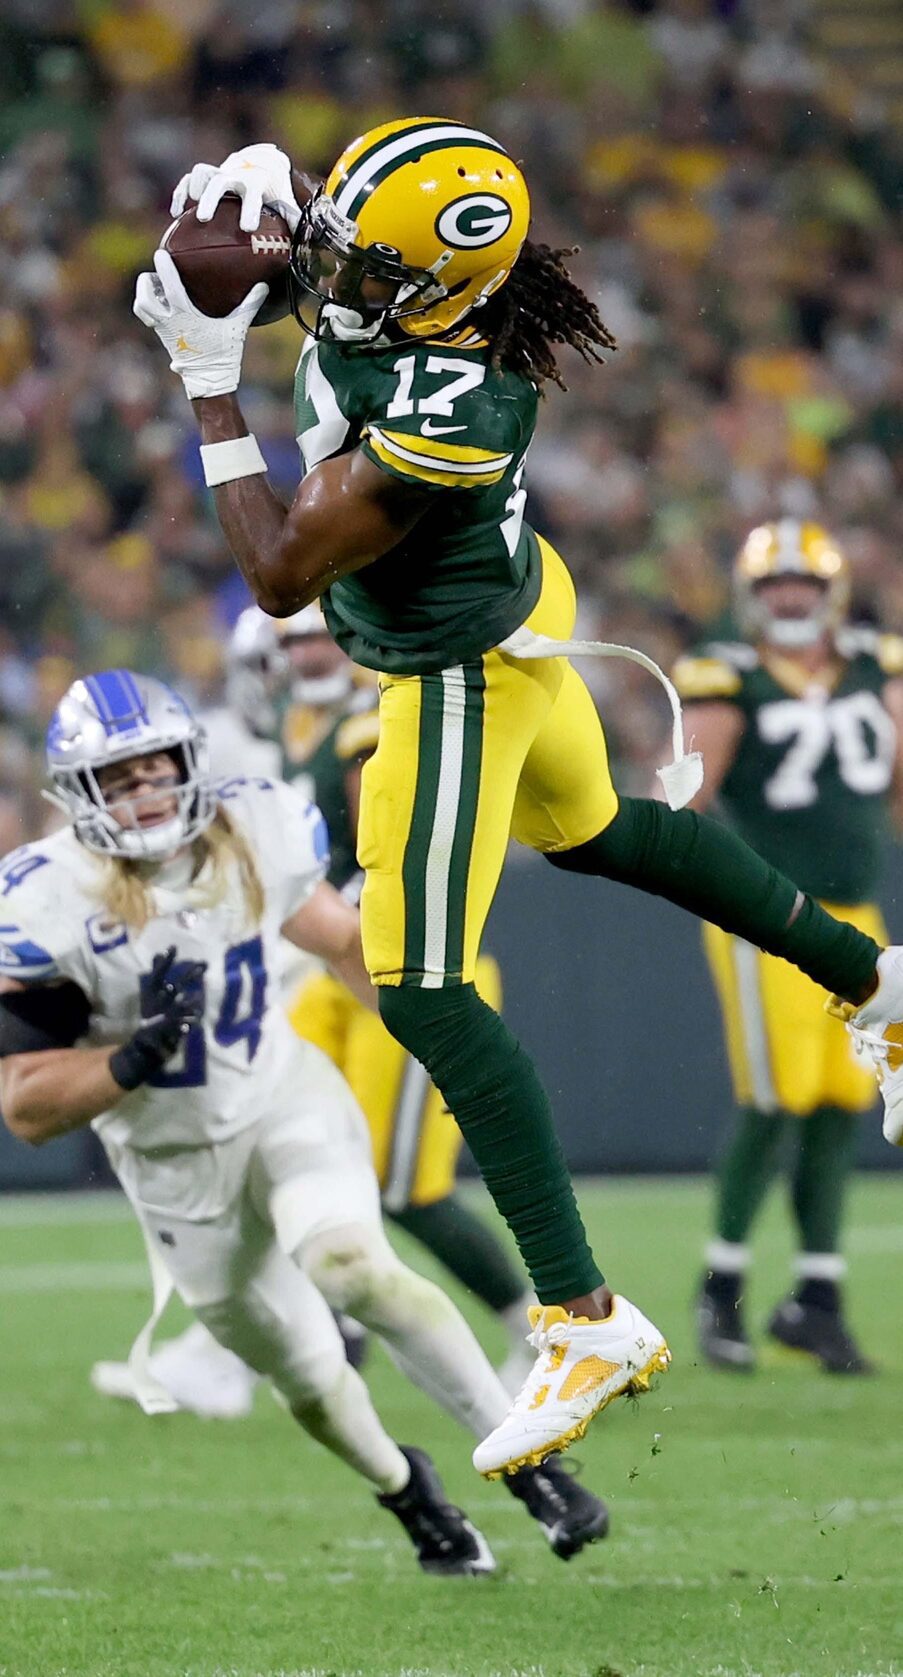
557 1333
868 1044
544 1340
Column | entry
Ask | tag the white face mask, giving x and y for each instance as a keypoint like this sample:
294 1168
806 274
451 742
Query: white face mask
320 691
152 843
793 632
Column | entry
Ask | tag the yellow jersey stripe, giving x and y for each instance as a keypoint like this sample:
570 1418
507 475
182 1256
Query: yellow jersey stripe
451 477
430 451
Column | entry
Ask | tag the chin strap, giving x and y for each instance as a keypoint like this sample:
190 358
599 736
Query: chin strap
682 778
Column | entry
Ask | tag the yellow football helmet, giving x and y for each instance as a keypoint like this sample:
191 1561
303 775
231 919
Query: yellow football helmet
419 222
789 548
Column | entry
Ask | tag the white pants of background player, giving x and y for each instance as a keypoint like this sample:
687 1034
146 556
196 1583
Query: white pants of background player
264 1235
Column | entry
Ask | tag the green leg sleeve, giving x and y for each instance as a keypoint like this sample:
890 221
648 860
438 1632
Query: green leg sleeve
827 1142
492 1088
704 867
746 1170
467 1247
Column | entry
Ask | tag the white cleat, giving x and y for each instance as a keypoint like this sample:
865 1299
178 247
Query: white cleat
877 1031
516 1367
581 1367
202 1376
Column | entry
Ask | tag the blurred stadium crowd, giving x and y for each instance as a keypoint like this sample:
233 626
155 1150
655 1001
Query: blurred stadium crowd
732 198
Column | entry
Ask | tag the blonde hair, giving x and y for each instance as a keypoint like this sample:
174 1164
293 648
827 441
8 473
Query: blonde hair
125 885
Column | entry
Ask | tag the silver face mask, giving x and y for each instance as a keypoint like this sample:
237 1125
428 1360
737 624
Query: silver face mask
108 718
321 692
793 632
254 667
259 670
788 633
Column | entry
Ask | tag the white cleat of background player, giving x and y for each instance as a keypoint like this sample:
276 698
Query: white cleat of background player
201 1376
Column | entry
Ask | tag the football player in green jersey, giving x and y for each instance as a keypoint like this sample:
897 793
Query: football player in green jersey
433 322
801 724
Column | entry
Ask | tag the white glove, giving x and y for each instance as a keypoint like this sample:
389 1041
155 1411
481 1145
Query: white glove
259 175
206 353
191 187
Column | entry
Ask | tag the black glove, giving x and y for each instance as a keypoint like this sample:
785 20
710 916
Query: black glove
172 1000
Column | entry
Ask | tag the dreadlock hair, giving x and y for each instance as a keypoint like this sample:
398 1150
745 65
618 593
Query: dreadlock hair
538 306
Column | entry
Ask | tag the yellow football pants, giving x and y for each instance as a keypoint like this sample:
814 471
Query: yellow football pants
415 1139
786 1053
468 758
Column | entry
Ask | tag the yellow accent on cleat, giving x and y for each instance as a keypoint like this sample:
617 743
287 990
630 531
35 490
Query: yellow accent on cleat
634 1386
592 1371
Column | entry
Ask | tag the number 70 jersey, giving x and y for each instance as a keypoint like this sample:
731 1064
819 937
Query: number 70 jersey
243 1058
441 419
808 786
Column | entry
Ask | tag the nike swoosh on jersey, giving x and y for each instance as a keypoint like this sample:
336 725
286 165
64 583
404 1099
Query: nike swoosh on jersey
428 429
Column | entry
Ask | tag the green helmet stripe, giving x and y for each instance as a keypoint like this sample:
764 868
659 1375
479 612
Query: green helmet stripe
382 159
410 128
399 163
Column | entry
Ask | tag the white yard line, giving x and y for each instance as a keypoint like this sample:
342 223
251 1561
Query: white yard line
25 1211
85 1275
106 1205
868 1239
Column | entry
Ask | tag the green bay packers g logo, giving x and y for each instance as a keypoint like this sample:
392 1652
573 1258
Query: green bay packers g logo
479 219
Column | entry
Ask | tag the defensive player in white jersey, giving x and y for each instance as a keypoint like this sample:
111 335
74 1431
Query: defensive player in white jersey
138 944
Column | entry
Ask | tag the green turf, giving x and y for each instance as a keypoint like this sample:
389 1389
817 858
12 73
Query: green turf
757 1522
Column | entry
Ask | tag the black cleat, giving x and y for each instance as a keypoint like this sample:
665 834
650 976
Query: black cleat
445 1541
570 1516
719 1321
821 1333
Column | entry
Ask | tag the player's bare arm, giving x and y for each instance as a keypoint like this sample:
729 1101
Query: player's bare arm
353 794
345 514
715 729
329 927
48 1085
52 1091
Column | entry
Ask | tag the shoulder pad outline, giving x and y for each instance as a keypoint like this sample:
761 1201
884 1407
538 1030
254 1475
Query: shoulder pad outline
890 654
357 736
706 678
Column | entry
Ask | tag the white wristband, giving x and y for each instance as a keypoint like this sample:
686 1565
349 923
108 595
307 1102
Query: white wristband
237 457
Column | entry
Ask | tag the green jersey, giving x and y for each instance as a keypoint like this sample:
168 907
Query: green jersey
808 786
443 420
319 748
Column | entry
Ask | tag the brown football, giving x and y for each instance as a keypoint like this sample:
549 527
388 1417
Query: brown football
219 263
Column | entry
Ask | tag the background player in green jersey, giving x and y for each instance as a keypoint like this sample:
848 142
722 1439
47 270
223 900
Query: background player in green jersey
801 724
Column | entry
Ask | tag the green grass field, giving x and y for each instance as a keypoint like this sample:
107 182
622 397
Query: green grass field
756 1522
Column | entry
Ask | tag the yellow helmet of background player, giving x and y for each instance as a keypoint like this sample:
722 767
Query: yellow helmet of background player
789 548
419 222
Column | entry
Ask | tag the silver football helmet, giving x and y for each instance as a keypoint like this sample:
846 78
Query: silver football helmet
107 718
261 669
252 672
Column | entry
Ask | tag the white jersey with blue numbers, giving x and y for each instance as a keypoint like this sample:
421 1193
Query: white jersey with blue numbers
244 1060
